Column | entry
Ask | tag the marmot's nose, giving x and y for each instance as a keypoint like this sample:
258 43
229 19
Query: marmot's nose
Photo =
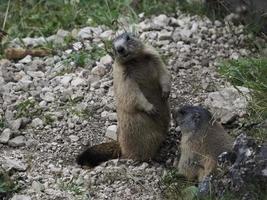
120 49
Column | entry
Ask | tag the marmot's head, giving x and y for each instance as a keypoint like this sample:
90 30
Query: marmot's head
192 118
126 47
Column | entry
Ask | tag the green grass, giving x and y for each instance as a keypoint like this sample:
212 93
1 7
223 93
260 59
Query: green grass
45 17
83 58
7 185
250 73
194 8
177 187
28 108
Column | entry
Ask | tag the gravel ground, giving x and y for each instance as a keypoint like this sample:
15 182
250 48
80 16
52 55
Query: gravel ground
53 108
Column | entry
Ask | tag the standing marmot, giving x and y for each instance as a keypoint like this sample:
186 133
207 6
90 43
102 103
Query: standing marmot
203 140
141 88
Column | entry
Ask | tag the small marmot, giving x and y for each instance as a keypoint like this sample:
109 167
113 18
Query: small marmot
203 140
141 87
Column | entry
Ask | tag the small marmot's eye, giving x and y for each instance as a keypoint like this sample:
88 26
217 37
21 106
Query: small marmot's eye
182 112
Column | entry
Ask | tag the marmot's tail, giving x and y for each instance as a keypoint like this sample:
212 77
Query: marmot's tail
99 153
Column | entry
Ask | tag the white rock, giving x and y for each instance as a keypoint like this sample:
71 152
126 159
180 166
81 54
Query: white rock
74 138
62 33
161 20
145 26
26 60
68 51
37 187
106 35
104 114
112 132
228 103
78 82
21 197
85 33
106 60
66 80
174 22
185 33
37 74
99 70
48 97
24 84
112 116
9 164
37 122
33 42
234 56
52 38
77 46
17 141
165 35
15 124
5 136
43 104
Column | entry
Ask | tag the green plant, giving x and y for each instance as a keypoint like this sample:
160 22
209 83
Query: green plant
151 7
7 186
71 187
28 108
177 187
250 73
195 8
48 118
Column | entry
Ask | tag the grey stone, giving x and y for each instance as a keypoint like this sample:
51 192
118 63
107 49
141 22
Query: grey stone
37 74
78 82
24 84
5 136
33 42
9 164
112 132
17 141
228 103
66 80
107 35
63 33
112 116
37 187
85 33
99 70
21 197
106 60
48 97
161 20
37 122
74 138
26 60
165 35
15 124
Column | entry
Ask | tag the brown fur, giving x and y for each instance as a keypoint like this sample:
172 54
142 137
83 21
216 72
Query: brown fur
19 53
141 87
201 147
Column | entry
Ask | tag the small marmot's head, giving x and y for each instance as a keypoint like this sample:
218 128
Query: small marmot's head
126 47
191 118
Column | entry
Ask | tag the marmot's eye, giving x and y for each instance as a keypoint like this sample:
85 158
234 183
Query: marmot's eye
182 112
127 38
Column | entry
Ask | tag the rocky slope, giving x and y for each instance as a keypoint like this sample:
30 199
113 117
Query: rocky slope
52 107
